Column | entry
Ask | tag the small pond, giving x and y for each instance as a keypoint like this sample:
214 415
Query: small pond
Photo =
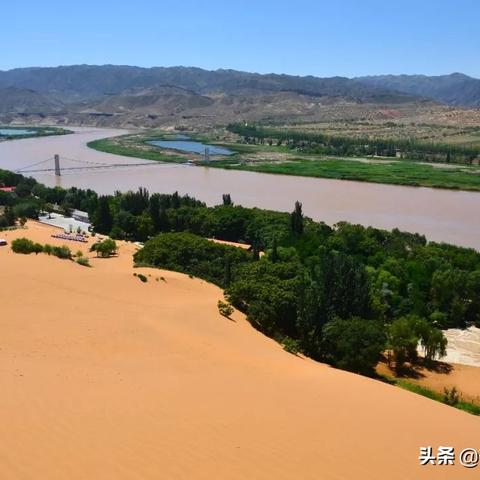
16 131
184 144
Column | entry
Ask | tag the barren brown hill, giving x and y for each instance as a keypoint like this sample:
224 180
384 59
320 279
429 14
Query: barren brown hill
105 377
112 95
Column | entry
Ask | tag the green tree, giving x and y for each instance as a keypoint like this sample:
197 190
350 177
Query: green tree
104 249
9 216
296 219
273 257
403 340
144 227
354 345
228 271
227 199
406 334
103 219
432 340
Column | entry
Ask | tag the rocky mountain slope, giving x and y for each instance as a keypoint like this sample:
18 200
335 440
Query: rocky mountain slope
132 96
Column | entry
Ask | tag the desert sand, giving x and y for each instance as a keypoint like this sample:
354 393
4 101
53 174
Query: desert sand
105 377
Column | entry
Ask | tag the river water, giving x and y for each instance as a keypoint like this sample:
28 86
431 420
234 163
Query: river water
442 215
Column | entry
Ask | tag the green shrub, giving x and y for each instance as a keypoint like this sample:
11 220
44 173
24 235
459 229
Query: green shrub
37 248
22 245
62 252
225 308
141 277
450 396
291 345
83 261
26 246
104 249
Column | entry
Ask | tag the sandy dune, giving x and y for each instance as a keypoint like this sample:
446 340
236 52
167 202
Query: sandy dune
105 377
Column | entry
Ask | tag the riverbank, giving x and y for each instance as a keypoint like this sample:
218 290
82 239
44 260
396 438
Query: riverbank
280 160
395 172
17 132
124 145
108 377
441 215
465 379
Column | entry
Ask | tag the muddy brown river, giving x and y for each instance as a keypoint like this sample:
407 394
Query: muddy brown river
441 215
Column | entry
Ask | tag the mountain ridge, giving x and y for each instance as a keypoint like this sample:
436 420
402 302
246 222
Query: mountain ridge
111 95
85 82
455 89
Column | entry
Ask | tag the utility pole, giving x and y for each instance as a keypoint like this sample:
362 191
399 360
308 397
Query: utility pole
207 154
58 173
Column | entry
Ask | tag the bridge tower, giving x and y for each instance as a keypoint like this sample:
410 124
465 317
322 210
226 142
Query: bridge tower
58 172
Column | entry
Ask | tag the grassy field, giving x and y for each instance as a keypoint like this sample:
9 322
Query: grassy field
396 173
281 160
140 150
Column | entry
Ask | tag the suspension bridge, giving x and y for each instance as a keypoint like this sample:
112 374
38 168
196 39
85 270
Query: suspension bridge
59 164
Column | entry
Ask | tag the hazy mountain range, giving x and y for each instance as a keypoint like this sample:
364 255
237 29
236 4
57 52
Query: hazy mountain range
454 89
83 92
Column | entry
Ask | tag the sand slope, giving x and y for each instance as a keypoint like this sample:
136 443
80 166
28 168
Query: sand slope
105 377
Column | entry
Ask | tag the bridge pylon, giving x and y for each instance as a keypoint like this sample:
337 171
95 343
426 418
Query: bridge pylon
58 172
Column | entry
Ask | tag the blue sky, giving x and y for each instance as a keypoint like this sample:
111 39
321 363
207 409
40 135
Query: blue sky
323 38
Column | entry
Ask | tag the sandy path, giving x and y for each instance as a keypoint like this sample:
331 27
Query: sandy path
105 377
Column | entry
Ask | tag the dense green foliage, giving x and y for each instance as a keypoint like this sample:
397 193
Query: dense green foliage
349 146
406 333
353 344
332 291
187 253
31 197
314 277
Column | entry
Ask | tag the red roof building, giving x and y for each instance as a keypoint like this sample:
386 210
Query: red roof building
7 189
